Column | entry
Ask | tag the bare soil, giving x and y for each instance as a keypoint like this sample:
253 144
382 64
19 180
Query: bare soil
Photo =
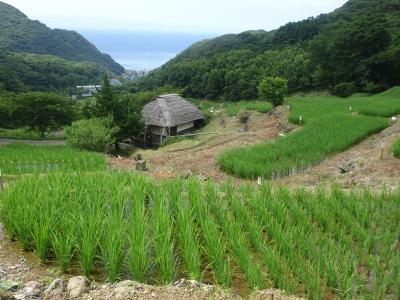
199 156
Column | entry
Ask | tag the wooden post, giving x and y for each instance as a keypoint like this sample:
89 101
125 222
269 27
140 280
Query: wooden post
382 148
162 133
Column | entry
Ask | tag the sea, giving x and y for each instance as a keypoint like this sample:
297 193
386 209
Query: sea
136 50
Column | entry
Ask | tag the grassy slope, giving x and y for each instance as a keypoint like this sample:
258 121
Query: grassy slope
330 127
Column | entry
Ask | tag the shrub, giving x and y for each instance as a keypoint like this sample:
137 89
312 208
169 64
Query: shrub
396 148
343 89
91 134
273 89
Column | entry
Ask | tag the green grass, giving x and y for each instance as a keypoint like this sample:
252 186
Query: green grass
233 108
396 148
331 125
18 159
313 244
26 134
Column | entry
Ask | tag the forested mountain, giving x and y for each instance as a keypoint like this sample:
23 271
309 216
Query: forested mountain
21 72
20 34
358 44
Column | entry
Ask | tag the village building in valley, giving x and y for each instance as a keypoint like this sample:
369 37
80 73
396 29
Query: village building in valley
170 115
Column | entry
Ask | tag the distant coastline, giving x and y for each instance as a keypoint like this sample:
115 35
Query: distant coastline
142 50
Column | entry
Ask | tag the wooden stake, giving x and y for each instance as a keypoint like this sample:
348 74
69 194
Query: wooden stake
382 148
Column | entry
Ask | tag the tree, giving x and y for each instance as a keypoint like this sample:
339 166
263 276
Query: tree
124 111
91 134
41 111
273 89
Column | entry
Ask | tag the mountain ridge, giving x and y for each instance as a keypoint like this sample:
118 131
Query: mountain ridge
230 66
20 34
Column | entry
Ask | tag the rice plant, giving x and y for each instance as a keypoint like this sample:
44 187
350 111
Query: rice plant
324 243
113 237
277 267
138 254
213 243
90 224
238 243
187 234
163 240
18 159
329 127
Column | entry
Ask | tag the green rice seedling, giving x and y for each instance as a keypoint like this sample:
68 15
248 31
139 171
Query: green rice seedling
286 239
64 229
42 231
138 255
326 242
329 127
90 224
17 159
114 232
63 241
238 243
336 264
300 149
214 246
186 230
276 265
18 217
163 241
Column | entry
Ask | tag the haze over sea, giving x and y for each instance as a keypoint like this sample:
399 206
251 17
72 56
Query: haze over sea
142 50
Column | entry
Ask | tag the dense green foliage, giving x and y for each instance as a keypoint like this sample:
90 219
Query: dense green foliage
20 34
343 89
359 42
272 89
33 72
396 148
43 112
315 244
330 127
26 159
91 134
27 134
125 112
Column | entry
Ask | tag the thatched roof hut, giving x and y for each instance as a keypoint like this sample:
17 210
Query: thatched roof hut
170 115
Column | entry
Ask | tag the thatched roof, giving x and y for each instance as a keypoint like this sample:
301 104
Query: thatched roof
169 111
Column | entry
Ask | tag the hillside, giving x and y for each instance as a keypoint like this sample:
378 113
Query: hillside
358 43
20 34
33 72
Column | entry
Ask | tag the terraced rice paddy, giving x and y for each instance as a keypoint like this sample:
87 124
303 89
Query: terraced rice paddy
331 125
316 244
17 159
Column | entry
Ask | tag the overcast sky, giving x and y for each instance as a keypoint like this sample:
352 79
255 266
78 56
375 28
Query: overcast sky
213 16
